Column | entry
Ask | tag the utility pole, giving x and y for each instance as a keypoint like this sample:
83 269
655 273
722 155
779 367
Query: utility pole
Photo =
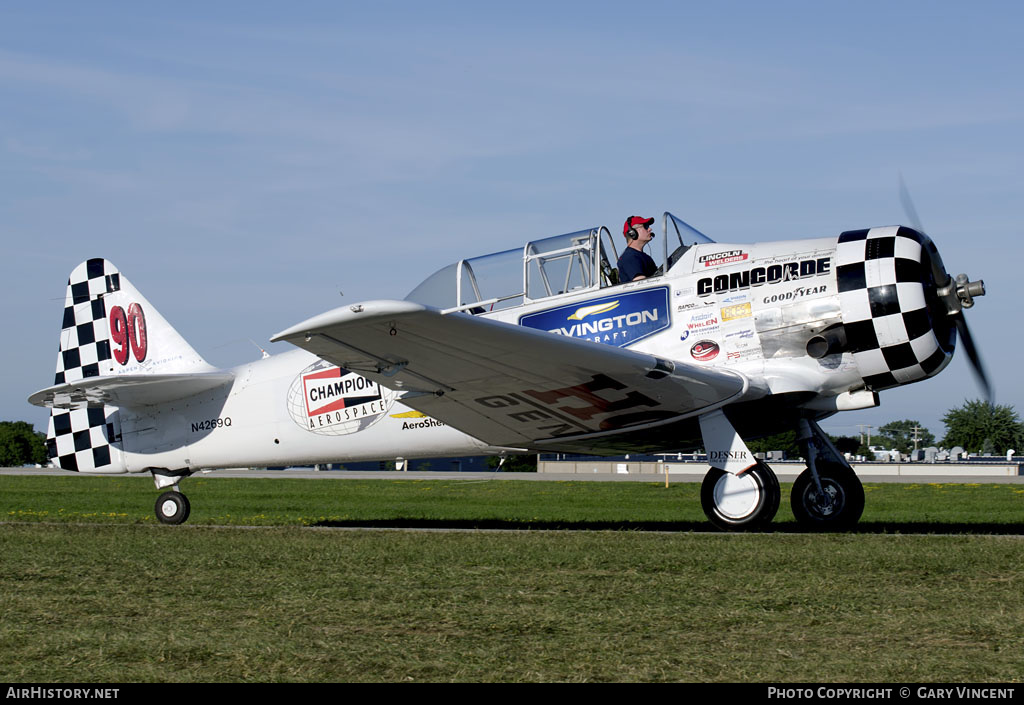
862 427
916 436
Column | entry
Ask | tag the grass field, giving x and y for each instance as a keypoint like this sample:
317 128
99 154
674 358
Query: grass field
92 589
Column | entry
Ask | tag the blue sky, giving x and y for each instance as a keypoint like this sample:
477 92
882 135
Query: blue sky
243 163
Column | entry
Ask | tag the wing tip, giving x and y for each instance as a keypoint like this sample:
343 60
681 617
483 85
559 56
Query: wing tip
349 314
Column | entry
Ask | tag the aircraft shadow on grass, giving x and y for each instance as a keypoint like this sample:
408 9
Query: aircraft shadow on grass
785 527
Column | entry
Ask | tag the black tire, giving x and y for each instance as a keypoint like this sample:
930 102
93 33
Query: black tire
840 507
740 502
172 508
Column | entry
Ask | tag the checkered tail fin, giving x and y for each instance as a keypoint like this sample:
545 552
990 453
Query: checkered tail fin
109 329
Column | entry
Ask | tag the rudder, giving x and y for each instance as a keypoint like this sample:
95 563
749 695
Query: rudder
108 329
86 440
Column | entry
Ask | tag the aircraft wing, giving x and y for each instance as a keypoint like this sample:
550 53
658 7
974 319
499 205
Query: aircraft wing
128 390
509 385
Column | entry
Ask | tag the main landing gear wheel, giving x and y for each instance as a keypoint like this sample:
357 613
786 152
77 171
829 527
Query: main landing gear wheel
172 508
837 507
740 502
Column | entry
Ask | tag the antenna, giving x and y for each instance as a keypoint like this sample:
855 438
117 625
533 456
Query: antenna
265 353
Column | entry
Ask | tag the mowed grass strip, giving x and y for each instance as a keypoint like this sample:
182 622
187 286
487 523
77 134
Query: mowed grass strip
391 501
92 589
149 603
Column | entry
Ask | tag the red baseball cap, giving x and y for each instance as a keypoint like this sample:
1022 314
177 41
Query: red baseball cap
635 220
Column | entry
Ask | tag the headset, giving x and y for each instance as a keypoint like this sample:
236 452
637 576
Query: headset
632 234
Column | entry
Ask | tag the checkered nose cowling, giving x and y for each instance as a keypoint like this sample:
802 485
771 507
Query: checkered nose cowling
895 325
81 439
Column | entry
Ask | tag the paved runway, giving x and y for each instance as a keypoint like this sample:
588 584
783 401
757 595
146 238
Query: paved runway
528 476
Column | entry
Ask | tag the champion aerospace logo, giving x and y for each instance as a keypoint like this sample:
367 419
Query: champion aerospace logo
329 400
613 320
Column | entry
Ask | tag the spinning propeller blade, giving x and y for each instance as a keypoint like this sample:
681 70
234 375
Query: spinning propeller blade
972 354
908 207
964 299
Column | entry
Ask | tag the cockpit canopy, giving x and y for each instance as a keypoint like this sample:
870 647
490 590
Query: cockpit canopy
577 261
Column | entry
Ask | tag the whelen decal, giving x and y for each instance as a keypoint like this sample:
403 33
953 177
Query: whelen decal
330 400
614 320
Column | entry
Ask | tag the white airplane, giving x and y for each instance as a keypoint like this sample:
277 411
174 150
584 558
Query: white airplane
534 349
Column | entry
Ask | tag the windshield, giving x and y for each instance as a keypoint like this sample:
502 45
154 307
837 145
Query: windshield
560 264
679 237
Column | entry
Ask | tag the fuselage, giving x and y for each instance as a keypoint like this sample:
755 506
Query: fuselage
287 409
814 326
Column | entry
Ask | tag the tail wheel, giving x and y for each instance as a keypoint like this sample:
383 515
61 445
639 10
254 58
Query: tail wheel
172 508
740 502
837 506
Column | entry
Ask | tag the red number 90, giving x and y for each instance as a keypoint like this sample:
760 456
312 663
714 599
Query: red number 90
128 331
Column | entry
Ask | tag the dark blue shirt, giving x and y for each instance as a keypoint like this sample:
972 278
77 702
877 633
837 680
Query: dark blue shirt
633 263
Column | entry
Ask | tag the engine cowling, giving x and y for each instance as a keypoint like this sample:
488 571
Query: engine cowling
896 324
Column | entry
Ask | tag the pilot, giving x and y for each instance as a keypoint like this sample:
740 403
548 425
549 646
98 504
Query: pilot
635 264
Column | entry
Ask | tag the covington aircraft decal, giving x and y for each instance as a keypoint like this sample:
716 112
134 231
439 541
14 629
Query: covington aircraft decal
614 320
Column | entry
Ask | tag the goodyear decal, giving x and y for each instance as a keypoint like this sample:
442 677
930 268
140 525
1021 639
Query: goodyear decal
614 320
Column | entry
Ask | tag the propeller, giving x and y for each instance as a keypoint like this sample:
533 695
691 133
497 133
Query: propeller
908 206
957 294
972 354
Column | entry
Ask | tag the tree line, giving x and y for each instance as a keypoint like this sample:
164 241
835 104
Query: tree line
20 444
974 426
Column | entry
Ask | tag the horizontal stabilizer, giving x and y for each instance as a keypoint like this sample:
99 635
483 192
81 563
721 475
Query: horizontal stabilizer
128 390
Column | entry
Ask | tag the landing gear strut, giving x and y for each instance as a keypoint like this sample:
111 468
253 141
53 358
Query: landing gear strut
738 493
837 505
172 507
828 495
747 500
